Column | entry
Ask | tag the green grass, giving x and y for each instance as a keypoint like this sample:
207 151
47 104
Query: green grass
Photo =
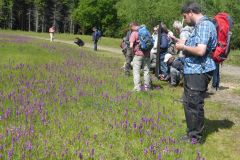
234 58
58 101
104 41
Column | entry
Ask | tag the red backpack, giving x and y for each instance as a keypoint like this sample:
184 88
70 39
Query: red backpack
224 24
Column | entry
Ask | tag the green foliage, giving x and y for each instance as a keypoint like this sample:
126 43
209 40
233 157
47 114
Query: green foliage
111 16
99 13
71 101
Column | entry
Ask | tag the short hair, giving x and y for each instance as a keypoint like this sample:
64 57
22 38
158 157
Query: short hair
177 25
191 7
133 24
164 28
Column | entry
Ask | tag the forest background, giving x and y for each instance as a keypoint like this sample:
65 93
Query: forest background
110 16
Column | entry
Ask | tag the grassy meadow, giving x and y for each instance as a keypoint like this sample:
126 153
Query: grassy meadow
104 41
59 101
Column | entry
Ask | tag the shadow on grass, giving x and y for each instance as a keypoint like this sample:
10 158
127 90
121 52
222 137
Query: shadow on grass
223 88
212 126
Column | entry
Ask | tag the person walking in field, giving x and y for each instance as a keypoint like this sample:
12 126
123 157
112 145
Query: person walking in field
51 33
198 68
141 59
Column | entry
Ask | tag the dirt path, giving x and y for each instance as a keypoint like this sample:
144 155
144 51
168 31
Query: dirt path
230 82
87 45
230 77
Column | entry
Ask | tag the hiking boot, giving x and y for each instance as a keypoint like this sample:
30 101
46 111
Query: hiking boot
185 138
172 85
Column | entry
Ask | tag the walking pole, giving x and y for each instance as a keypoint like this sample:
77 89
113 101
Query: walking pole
157 69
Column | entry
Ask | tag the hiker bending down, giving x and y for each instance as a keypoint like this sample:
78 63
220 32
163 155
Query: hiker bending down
176 68
141 58
79 42
51 33
198 68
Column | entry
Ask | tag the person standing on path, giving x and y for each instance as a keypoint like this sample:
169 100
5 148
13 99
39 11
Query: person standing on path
95 37
198 68
51 33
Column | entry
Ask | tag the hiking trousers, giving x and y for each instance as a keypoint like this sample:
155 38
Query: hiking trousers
175 76
195 87
216 77
95 45
138 62
128 58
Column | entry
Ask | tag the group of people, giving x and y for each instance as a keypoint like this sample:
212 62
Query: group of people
170 65
195 43
96 35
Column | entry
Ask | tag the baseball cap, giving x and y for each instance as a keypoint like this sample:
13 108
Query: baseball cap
167 57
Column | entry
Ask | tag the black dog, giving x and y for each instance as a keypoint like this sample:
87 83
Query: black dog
79 42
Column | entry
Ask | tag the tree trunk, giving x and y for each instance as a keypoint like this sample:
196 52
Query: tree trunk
36 27
54 16
29 20
42 24
71 26
11 18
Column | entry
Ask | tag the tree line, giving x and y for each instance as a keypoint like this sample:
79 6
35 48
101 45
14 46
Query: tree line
111 16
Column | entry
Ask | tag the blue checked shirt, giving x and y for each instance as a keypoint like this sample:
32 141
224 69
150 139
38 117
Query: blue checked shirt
204 33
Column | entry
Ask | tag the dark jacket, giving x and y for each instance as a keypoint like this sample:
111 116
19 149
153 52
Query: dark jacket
178 64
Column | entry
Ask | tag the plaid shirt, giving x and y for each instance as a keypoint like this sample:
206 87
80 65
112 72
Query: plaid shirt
204 33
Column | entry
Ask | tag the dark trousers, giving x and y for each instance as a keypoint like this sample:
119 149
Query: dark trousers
95 45
216 77
163 66
195 87
128 58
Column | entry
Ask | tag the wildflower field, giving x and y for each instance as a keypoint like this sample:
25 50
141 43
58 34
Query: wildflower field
59 101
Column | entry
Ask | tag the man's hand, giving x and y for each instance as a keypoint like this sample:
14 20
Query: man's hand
180 46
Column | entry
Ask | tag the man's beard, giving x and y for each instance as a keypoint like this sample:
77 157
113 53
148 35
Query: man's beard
191 23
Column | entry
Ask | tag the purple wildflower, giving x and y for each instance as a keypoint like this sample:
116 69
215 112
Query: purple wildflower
10 154
80 155
92 153
145 150
95 136
134 125
28 146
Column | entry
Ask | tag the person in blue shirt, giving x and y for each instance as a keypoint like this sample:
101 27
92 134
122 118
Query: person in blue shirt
95 37
198 68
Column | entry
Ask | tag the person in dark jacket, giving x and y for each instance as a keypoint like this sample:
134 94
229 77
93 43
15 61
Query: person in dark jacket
79 42
95 37
176 68
164 70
